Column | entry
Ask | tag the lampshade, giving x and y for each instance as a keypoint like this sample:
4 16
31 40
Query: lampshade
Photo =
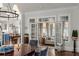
6 11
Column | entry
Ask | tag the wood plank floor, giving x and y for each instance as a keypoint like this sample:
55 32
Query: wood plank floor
66 53
53 52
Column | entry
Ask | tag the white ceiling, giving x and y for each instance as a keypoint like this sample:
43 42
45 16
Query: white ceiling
27 7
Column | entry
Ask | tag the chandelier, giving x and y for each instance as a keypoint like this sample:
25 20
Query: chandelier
7 12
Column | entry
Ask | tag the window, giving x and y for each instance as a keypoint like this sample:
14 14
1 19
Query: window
65 23
32 20
66 30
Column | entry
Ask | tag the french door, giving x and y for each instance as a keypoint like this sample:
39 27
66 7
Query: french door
55 28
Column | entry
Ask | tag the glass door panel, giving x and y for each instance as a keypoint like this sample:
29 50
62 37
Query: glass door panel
33 32
58 33
52 29
65 23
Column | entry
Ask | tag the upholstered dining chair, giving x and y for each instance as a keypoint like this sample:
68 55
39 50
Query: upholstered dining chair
34 43
42 52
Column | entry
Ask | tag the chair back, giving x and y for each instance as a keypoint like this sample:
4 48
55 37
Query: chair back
44 52
34 43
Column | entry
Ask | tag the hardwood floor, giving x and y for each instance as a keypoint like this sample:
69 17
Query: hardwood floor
53 52
66 53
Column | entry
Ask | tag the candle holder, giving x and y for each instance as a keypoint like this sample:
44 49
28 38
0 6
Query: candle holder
18 47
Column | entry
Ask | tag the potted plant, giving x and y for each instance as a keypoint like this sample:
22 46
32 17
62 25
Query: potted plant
74 37
75 34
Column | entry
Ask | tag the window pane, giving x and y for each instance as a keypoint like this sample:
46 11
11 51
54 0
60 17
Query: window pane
66 28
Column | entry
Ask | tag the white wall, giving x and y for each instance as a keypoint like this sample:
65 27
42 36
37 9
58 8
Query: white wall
74 16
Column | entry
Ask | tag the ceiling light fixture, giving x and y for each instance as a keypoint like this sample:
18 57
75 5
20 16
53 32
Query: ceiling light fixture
7 12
